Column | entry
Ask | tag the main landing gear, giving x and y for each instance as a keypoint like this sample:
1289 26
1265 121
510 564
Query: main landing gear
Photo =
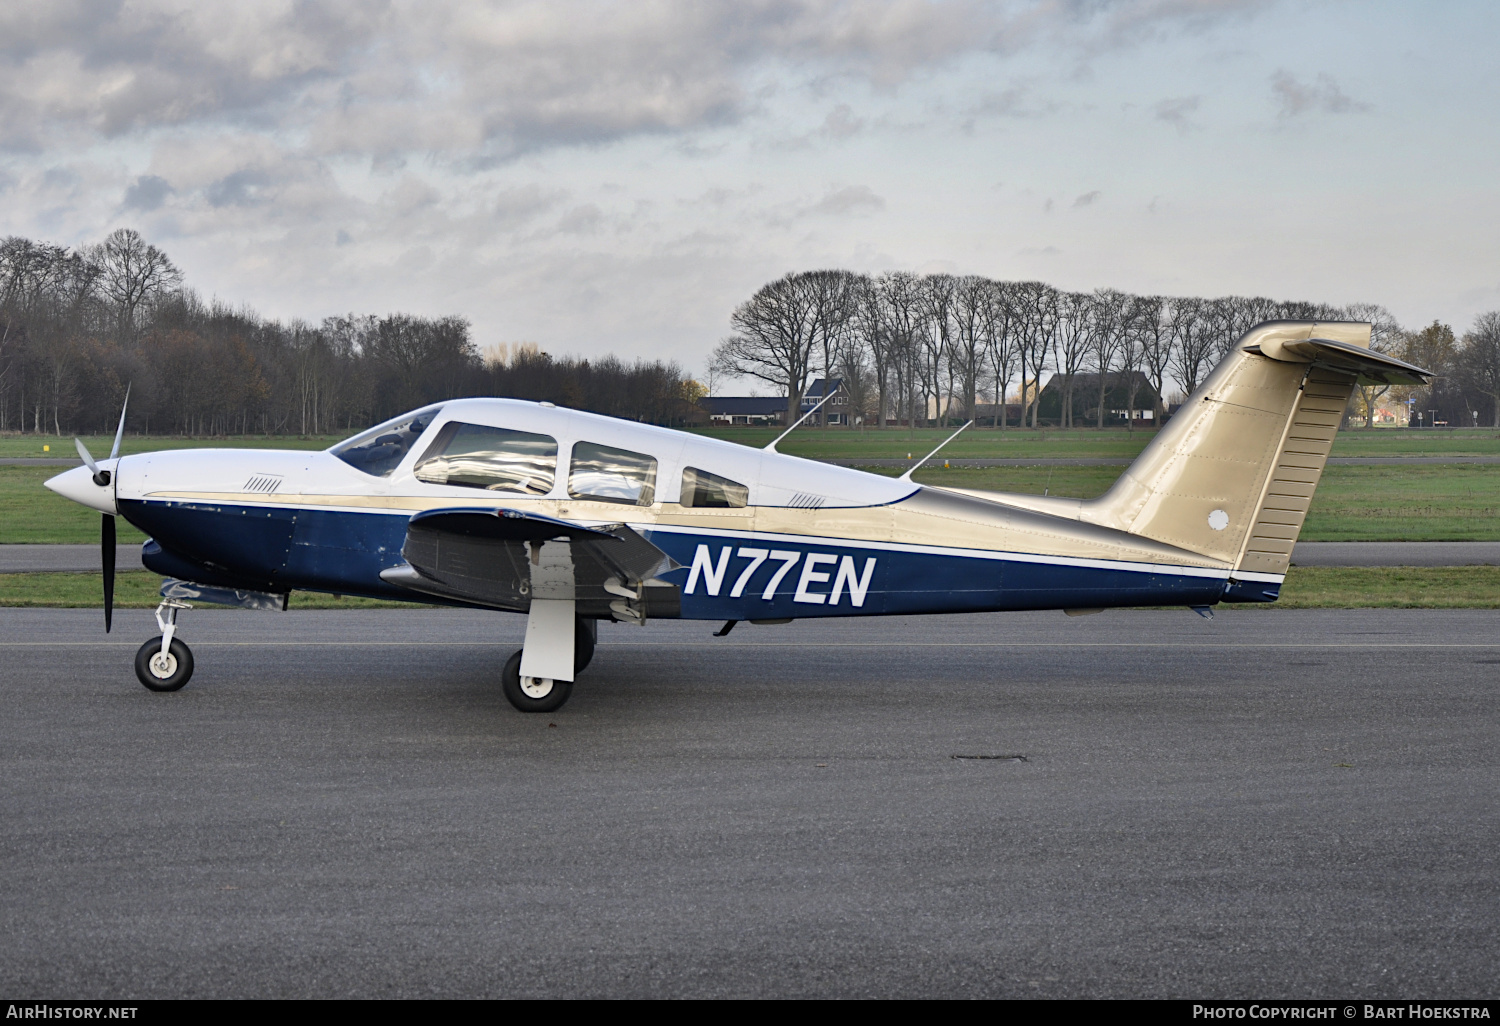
165 664
530 693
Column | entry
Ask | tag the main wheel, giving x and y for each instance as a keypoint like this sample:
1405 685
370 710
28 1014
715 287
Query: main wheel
583 644
532 694
164 673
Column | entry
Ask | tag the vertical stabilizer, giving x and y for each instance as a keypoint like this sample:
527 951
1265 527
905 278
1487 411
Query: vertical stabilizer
1232 473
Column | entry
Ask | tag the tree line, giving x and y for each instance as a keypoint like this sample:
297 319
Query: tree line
79 326
923 348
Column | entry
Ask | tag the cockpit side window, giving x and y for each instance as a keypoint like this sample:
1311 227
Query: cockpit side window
379 450
492 458
605 474
700 489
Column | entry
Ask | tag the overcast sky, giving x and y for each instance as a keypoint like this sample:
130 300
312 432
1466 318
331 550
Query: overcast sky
598 177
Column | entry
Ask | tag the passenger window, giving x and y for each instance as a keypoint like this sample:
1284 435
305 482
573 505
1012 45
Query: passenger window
612 475
702 489
492 458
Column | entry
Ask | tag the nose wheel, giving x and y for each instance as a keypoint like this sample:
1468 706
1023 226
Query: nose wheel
165 663
164 671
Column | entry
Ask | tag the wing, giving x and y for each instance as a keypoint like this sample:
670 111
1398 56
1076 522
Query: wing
502 558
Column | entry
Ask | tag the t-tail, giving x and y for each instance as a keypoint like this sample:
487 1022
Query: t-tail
1232 474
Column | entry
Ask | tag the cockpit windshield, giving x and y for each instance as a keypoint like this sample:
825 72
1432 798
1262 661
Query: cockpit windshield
379 450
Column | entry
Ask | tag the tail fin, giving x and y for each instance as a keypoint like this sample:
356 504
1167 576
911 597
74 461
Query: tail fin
1231 475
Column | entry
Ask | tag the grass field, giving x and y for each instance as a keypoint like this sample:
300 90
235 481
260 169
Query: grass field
1458 587
30 514
1425 502
840 443
13 445
986 443
137 589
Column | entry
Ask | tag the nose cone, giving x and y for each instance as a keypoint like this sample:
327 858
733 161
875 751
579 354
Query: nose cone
78 484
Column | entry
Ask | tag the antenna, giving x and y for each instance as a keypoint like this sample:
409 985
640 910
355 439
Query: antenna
772 446
907 476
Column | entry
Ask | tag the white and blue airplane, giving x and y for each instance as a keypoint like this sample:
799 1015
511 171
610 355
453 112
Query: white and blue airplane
570 518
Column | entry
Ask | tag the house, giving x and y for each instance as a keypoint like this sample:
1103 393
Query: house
755 411
986 414
836 410
746 410
1117 403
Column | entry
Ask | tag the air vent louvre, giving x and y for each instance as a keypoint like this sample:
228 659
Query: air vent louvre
807 500
266 483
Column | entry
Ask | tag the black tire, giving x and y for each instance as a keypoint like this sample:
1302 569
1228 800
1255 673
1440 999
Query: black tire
179 665
510 682
583 644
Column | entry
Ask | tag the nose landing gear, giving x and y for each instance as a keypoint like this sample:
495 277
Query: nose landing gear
167 664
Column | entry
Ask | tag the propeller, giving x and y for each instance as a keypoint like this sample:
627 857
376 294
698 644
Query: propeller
106 520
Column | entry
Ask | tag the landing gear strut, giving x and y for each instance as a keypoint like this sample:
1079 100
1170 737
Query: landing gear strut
165 664
544 694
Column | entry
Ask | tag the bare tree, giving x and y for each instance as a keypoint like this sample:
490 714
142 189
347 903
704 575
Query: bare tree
132 272
1155 340
1385 333
1112 312
1133 352
1481 358
1000 342
774 334
870 331
1076 324
1034 314
833 306
972 309
939 292
1192 341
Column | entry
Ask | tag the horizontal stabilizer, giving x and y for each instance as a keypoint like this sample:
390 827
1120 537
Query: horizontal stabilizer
1369 367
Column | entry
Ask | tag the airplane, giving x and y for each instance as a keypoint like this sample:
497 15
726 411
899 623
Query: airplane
570 518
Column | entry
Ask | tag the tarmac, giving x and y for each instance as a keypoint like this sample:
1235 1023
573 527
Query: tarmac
1135 804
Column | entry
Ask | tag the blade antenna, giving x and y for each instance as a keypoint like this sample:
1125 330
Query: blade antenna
120 431
907 476
772 446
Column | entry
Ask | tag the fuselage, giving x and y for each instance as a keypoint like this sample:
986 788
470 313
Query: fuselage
758 535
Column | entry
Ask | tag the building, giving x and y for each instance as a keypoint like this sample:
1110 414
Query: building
1085 396
760 412
745 410
835 411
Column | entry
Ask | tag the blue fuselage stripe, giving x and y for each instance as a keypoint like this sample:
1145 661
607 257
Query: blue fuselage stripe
724 577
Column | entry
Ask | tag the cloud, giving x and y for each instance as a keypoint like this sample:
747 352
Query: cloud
1323 95
581 220
1177 112
841 123
848 200
148 193
488 81
1015 102
1088 199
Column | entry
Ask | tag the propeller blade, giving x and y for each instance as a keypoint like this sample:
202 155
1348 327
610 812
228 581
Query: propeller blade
120 431
107 550
88 460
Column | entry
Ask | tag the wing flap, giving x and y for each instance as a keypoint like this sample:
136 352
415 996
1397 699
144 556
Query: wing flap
502 558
